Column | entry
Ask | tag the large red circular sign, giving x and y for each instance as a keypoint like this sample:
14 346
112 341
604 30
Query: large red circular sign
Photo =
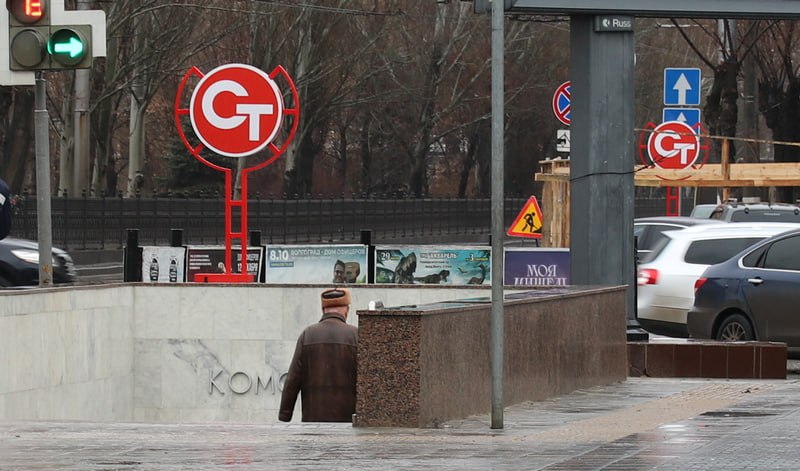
236 110
673 145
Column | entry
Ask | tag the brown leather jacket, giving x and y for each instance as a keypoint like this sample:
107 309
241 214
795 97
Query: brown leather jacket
323 370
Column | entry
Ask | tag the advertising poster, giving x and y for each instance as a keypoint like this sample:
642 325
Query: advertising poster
211 259
437 265
311 264
164 264
536 267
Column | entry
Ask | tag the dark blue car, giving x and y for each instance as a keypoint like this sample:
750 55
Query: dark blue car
19 263
753 296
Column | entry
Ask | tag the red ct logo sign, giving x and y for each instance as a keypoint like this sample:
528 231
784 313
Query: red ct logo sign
236 110
673 145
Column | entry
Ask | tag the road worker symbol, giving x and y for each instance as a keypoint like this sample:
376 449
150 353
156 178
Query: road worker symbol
673 145
528 222
236 110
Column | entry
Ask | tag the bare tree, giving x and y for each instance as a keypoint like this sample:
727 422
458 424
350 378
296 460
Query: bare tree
721 108
16 135
431 75
148 43
779 91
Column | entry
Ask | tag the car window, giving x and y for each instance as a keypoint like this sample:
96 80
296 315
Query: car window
712 251
752 259
655 234
639 234
658 247
702 211
784 254
765 215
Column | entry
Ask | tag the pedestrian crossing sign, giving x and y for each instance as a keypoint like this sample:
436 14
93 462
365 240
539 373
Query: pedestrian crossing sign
529 221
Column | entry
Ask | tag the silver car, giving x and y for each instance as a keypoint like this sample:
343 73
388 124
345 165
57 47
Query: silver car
650 231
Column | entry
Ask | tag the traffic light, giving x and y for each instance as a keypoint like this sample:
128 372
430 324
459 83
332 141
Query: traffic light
69 47
36 43
28 30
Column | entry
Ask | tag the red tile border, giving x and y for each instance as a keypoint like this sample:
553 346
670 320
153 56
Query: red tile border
707 359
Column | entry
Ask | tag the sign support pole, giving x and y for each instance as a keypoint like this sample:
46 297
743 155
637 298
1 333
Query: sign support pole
673 201
498 231
43 215
602 190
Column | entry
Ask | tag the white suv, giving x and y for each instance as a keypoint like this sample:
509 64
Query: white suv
666 276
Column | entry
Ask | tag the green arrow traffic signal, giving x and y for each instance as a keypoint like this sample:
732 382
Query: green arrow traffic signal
73 47
67 46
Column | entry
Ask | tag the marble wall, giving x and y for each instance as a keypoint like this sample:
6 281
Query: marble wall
67 353
163 353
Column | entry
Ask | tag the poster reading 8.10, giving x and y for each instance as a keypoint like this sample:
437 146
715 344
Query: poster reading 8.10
438 265
304 264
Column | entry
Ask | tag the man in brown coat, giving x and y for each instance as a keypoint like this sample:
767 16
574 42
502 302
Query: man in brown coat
323 368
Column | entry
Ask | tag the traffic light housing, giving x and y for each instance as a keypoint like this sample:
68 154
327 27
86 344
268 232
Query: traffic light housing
70 47
28 12
28 30
35 43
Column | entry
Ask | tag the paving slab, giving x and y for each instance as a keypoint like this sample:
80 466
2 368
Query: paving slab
642 423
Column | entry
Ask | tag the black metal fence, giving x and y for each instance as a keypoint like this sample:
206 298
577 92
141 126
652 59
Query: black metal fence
102 222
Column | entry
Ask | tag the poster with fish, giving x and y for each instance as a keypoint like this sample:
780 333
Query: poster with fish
433 265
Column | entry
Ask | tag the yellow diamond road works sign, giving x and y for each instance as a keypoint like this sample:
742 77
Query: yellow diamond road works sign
529 221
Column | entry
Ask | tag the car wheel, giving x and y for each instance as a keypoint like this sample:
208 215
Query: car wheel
735 328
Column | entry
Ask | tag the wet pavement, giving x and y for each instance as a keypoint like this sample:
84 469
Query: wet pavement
642 423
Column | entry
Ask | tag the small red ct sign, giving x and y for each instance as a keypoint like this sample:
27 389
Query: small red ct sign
236 110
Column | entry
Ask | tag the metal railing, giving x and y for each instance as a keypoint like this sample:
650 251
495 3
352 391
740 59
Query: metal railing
102 222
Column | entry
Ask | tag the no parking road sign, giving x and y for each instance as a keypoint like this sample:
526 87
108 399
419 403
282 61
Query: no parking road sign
561 102
673 145
236 110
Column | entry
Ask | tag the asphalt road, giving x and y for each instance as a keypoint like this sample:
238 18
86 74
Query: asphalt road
98 266
107 272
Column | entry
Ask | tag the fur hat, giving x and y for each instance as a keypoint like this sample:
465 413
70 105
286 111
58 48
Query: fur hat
335 297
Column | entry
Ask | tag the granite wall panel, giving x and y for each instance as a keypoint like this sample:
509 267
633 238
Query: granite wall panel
556 341
707 359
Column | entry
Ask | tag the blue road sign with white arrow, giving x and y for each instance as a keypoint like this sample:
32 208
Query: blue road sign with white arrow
681 86
690 116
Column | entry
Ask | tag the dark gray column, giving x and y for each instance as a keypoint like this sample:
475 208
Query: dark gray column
602 157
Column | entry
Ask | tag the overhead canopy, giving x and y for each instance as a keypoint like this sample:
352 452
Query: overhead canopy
771 9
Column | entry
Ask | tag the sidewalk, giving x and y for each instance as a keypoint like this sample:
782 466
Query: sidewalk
643 423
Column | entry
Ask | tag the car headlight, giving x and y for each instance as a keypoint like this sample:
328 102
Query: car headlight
30 256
